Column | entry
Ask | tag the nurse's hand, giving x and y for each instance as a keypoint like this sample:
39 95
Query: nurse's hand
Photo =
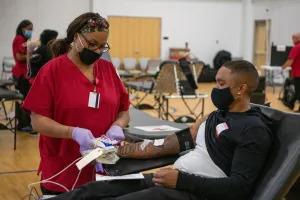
99 168
84 138
115 132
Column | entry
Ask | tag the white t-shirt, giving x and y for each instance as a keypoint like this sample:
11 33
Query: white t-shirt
198 161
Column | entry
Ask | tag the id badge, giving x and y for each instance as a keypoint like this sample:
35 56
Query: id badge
94 100
221 127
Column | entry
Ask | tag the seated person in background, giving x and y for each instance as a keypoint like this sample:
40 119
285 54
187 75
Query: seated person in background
42 54
231 147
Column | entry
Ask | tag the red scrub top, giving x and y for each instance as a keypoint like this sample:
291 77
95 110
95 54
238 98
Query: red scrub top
295 56
19 46
60 91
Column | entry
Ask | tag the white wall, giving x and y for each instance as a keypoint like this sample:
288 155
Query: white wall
284 16
207 25
199 22
53 14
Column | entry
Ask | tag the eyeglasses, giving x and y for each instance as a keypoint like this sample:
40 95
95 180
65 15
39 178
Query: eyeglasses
103 48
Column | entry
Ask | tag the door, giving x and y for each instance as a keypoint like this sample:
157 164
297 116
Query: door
135 37
261 42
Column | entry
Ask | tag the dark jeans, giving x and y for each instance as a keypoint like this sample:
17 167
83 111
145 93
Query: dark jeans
23 117
143 189
49 192
297 87
23 85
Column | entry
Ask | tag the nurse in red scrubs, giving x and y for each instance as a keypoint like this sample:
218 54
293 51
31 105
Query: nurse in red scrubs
19 71
75 98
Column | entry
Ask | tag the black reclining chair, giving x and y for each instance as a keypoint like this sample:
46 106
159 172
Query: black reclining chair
283 167
281 171
259 95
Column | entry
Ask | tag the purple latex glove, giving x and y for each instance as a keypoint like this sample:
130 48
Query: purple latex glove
99 168
115 132
83 137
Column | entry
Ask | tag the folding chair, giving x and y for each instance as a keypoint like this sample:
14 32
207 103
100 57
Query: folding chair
9 95
116 62
7 65
9 85
129 63
135 88
130 71
153 66
144 83
143 62
6 83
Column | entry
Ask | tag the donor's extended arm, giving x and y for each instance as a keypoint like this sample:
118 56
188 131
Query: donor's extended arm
173 144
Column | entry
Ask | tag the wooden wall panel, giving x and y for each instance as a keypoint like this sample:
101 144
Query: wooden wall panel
135 37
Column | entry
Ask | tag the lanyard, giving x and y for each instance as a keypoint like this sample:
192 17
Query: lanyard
95 77
94 96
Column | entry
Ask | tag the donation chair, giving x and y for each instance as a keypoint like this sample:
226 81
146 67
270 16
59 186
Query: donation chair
283 167
280 172
259 95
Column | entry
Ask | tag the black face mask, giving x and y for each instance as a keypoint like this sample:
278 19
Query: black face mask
222 98
88 56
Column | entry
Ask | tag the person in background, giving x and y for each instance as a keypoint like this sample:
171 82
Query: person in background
19 71
42 54
294 62
75 98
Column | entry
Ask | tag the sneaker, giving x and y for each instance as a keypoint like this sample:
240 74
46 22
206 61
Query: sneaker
33 132
26 129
